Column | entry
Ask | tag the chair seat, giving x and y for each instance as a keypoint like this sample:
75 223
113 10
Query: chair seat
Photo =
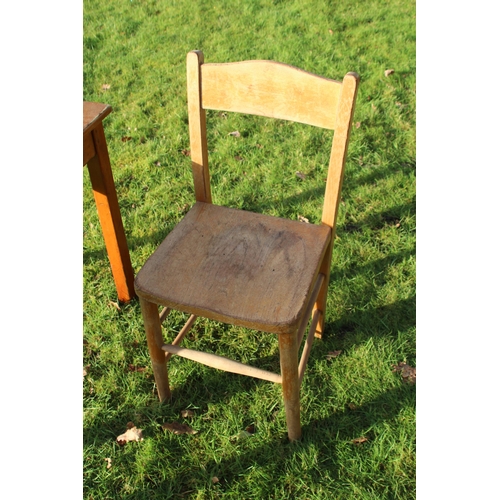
249 269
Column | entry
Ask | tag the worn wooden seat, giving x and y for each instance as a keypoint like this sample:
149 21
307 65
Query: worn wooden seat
243 268
248 269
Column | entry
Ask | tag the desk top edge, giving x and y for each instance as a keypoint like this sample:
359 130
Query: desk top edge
94 113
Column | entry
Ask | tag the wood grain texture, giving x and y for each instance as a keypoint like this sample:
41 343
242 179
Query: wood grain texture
338 153
271 89
103 186
197 129
239 267
94 113
290 383
155 341
222 363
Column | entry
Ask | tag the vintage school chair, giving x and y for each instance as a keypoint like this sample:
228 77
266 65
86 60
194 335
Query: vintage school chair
239 267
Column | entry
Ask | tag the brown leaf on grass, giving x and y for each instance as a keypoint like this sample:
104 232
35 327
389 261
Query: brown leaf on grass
109 463
115 305
388 72
358 124
186 152
330 31
215 480
187 413
352 406
238 158
360 440
177 428
300 175
234 134
303 219
408 373
259 146
250 429
126 138
106 86
132 434
134 368
332 354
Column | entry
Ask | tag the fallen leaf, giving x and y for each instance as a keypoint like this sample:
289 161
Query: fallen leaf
115 305
260 146
185 208
358 124
133 368
106 86
158 164
388 72
186 152
187 413
250 429
109 463
238 158
352 406
132 434
332 354
234 134
126 138
300 175
215 480
408 373
360 440
303 219
330 31
177 428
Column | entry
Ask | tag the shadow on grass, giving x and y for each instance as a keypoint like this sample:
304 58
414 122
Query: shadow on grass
369 176
329 438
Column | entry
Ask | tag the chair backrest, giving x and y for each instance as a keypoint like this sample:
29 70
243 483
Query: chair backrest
274 90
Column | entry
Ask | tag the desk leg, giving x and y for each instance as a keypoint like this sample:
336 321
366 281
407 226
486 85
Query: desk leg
109 215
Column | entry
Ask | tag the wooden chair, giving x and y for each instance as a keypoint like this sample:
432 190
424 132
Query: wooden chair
244 268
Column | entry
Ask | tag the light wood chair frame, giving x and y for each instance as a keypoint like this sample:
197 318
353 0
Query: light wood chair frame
258 87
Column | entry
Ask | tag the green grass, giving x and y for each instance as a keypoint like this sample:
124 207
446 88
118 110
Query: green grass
139 49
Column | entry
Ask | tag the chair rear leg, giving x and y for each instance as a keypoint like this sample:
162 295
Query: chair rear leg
323 292
155 341
290 382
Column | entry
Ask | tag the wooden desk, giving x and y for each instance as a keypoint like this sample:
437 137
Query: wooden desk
95 155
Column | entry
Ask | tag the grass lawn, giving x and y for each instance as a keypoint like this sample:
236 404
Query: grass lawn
358 415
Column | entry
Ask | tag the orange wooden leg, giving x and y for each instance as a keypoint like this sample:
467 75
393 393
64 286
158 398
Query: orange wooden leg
108 209
290 382
155 341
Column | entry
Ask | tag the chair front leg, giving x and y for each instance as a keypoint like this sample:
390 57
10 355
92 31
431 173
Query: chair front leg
290 382
155 341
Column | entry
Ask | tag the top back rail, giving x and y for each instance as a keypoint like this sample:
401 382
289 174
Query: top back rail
271 89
